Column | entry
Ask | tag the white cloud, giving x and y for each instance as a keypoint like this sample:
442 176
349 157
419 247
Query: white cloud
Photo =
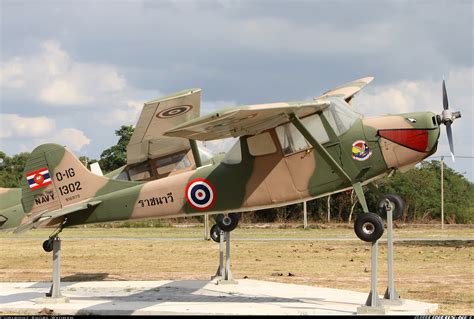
54 78
72 138
15 126
28 132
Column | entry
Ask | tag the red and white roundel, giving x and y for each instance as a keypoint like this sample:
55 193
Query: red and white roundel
200 194
174 111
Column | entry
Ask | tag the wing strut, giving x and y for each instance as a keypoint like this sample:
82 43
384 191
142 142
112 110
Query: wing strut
329 159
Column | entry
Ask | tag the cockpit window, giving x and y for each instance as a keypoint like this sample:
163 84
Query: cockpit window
293 141
340 116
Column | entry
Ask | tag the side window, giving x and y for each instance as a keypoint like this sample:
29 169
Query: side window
123 176
292 140
140 172
234 155
314 124
261 144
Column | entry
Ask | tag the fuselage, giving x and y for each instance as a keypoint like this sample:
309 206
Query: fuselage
274 168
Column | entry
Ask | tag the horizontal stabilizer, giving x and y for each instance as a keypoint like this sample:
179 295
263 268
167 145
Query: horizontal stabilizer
46 216
348 90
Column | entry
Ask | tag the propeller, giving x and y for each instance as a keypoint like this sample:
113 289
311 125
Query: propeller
447 118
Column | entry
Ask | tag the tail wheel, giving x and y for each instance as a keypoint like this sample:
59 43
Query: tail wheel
395 203
48 245
369 227
216 233
227 222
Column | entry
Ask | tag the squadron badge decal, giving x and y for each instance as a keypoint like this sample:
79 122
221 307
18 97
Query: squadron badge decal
200 194
360 150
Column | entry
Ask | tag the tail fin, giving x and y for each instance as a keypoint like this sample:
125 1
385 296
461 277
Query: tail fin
55 178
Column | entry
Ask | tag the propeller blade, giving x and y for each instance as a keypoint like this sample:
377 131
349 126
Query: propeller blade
445 97
450 139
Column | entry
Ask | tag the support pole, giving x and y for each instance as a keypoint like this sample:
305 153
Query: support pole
224 275
56 288
206 227
329 208
220 269
305 216
373 305
442 192
54 294
391 297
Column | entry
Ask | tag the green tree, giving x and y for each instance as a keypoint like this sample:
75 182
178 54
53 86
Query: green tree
11 169
421 187
116 156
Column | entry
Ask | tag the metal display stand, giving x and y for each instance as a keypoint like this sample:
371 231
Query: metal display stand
54 294
223 274
373 305
391 297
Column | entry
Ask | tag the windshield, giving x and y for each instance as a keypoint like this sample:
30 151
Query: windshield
340 116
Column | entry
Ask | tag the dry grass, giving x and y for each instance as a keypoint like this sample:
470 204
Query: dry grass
435 273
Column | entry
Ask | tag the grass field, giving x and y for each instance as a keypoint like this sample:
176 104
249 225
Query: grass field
438 272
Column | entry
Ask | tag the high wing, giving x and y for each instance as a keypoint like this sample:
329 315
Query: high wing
348 90
244 120
158 116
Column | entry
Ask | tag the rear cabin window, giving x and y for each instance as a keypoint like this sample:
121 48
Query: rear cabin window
140 172
261 144
234 155
292 140
166 165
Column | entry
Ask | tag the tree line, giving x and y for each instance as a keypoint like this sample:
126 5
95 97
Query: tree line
419 187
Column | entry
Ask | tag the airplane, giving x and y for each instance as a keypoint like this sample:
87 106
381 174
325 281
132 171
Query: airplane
285 153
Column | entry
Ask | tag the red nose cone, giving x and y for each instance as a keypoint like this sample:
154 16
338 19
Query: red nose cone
415 139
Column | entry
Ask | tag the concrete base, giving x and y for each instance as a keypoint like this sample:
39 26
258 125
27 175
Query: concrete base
51 300
227 282
367 310
392 302
249 297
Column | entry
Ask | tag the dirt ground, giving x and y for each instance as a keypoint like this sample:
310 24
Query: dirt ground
438 272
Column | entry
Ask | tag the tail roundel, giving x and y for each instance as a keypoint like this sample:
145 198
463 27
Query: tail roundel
54 178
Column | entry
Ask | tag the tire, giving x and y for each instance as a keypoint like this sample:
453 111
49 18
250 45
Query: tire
229 222
48 245
215 233
397 204
369 227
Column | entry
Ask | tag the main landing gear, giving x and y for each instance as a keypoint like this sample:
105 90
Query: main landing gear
225 223
369 227
220 232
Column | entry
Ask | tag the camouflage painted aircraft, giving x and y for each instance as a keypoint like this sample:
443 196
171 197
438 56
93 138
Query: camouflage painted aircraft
285 153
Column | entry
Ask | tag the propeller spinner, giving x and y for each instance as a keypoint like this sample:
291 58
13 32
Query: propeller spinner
447 118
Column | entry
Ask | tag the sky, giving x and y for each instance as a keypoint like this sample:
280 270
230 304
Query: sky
72 72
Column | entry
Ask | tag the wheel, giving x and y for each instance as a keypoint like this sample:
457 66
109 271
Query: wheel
369 227
229 222
396 203
215 233
48 245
